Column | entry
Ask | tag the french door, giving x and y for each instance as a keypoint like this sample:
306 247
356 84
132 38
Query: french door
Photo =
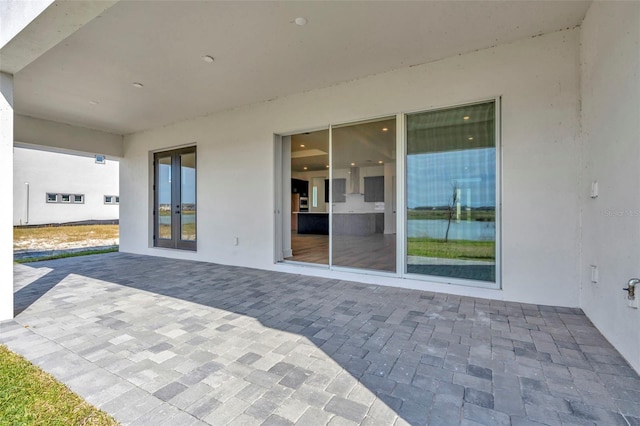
175 199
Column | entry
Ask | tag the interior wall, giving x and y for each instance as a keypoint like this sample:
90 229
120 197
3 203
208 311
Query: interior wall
537 79
611 127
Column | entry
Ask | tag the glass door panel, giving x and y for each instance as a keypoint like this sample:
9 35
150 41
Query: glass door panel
451 193
188 196
309 171
363 170
164 193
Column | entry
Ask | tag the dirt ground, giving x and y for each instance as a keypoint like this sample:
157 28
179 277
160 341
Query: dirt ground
64 237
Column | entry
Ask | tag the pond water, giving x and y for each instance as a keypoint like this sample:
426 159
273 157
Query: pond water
463 230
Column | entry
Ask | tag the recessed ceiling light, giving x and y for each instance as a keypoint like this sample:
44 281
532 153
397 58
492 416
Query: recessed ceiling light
380 162
138 85
302 145
470 138
466 117
208 59
384 129
94 102
353 164
305 167
327 166
300 21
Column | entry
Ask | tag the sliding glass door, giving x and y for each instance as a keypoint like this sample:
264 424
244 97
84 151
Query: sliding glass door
446 190
451 193
308 156
363 169
175 199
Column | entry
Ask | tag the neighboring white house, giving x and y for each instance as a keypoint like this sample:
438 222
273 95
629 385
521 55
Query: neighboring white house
207 105
51 187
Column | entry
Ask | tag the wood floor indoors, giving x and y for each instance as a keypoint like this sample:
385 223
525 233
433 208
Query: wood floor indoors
376 251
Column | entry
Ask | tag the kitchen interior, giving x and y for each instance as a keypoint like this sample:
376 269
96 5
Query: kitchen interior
360 196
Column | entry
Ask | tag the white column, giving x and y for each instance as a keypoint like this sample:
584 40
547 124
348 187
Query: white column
6 189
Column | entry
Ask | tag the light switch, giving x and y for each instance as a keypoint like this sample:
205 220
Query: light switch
594 189
594 273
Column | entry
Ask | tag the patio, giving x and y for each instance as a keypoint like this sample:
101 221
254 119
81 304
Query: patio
162 341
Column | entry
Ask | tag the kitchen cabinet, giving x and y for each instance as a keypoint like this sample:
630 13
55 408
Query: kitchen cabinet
299 186
326 190
374 189
339 190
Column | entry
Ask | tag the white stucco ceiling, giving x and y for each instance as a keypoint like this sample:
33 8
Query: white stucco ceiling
260 54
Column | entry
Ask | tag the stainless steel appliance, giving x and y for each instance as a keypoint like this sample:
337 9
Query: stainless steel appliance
304 204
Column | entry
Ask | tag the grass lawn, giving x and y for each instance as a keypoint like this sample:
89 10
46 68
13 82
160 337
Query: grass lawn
29 396
63 237
65 255
474 215
453 249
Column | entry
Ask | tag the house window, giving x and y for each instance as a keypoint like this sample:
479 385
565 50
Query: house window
111 199
53 197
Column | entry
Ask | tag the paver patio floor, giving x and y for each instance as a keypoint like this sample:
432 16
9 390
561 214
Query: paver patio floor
156 341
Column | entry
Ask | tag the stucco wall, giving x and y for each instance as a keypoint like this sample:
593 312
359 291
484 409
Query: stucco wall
16 15
61 173
611 132
538 79
6 187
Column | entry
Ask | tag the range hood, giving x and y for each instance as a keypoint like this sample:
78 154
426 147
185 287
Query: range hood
354 180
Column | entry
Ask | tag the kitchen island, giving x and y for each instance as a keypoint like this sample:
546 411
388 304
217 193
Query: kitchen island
343 223
313 223
360 224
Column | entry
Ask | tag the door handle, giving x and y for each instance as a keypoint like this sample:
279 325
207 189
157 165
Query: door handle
631 288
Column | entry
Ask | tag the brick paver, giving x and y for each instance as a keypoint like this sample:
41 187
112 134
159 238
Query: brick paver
159 341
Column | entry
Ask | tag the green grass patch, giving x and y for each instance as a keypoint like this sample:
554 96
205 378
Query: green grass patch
439 214
29 396
67 254
452 249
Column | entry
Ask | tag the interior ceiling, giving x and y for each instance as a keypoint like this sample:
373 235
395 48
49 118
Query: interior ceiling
362 144
260 54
